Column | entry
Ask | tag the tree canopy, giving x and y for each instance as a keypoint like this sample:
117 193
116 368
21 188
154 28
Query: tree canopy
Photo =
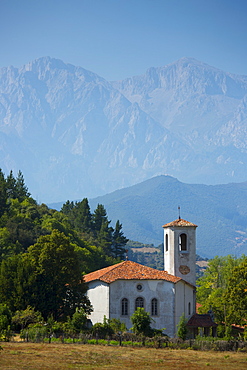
222 289
44 252
141 321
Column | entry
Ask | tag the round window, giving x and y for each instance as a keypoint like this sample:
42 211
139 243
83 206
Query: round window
139 287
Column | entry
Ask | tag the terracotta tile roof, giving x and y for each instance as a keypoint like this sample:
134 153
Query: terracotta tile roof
201 321
198 305
238 327
129 270
178 223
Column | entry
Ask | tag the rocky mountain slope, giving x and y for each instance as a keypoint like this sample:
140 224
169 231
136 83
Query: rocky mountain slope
74 134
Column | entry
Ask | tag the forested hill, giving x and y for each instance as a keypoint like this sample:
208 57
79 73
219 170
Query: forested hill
44 252
220 211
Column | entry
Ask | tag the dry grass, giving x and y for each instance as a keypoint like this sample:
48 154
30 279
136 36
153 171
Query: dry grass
35 356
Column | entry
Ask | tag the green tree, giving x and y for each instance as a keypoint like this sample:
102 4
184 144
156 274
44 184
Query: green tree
58 276
22 231
213 284
79 215
82 216
54 221
3 194
11 186
17 288
118 242
8 278
67 207
141 321
7 248
78 321
5 322
117 325
235 296
182 328
26 317
103 330
20 226
99 218
21 189
104 238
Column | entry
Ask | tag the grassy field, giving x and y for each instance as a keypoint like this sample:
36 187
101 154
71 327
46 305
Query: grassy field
35 356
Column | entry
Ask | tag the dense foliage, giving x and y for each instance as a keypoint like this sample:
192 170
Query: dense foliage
44 252
223 289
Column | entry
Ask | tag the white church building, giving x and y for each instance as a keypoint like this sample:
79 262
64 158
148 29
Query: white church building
116 291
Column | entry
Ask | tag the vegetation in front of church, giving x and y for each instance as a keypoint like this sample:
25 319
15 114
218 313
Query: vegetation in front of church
113 332
182 328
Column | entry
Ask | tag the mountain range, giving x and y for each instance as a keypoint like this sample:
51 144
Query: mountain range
219 211
74 135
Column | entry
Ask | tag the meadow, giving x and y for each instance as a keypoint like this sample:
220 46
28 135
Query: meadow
58 356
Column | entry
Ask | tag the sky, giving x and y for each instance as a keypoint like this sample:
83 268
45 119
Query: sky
121 38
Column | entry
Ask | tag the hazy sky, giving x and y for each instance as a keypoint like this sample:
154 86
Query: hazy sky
121 38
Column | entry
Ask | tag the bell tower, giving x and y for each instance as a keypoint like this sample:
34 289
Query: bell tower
180 249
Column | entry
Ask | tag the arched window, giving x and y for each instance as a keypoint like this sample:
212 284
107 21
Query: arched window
189 308
183 242
166 242
154 307
125 307
139 302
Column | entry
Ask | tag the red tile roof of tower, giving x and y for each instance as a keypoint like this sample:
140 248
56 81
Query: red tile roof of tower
179 223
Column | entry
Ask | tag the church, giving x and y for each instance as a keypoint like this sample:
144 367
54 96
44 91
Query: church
116 291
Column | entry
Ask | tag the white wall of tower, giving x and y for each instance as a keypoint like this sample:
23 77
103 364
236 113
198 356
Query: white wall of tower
177 262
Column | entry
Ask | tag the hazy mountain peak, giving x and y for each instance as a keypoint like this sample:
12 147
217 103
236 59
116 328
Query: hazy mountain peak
81 135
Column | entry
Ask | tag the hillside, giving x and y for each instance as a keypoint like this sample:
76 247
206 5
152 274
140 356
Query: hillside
220 211
73 134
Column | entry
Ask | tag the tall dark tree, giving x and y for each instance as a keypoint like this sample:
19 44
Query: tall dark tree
21 188
99 217
104 237
3 194
10 185
16 188
82 216
67 207
118 242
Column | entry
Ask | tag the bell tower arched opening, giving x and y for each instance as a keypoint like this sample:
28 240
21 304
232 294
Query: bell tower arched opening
180 255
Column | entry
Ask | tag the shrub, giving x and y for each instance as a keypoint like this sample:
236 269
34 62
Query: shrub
36 333
182 328
141 321
108 328
5 322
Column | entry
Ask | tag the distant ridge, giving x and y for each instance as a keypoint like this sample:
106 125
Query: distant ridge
220 211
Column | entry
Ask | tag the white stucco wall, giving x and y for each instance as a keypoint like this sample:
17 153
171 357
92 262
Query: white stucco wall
184 294
98 294
173 301
162 290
